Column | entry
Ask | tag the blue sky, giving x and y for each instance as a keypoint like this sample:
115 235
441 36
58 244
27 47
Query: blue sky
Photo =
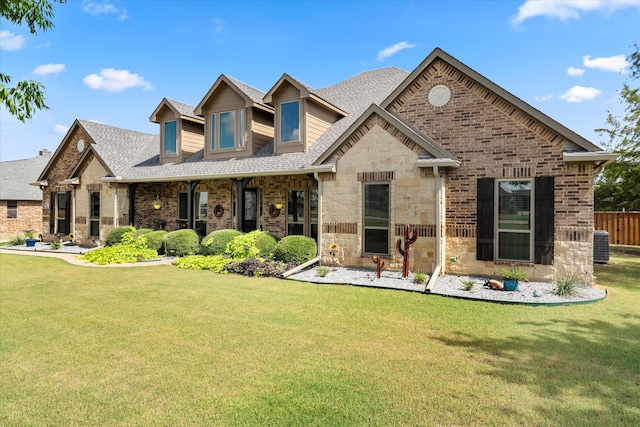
114 61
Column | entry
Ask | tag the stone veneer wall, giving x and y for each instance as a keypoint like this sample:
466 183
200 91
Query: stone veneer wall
492 138
377 153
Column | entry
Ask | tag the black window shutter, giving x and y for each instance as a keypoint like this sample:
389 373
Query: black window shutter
52 213
544 220
485 215
67 217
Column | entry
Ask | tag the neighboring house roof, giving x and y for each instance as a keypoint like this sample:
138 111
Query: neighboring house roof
17 175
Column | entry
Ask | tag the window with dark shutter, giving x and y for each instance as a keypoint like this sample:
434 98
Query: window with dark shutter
485 219
544 220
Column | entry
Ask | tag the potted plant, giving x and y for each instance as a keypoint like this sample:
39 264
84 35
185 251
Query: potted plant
29 238
512 277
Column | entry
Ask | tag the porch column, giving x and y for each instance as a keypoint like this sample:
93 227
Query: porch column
190 186
132 209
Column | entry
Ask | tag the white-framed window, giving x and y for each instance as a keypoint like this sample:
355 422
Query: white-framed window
61 213
94 210
376 214
228 130
295 212
514 220
289 121
12 209
170 142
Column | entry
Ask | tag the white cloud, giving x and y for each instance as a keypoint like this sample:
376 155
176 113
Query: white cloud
49 69
580 93
61 129
10 41
616 63
218 25
573 71
544 98
568 9
104 8
113 80
388 51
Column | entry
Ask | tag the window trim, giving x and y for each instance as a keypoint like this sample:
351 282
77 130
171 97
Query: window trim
93 219
13 209
365 227
239 130
165 152
281 117
531 229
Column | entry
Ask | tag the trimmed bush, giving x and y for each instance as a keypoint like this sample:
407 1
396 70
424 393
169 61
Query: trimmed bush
114 236
266 243
295 248
155 240
216 242
257 267
141 231
183 242
252 244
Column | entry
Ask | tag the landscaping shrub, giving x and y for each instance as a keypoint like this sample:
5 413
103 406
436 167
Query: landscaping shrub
141 231
115 234
266 242
251 244
155 240
215 263
216 242
131 249
183 242
295 248
258 267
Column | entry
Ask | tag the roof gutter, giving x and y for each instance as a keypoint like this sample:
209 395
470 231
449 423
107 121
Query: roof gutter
301 171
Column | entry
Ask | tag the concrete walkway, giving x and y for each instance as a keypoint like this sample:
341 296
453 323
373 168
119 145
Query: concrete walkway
70 255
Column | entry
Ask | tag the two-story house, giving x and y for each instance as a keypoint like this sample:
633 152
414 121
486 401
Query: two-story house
484 178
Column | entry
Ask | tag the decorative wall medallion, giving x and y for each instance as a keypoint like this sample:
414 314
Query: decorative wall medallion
80 145
218 211
439 95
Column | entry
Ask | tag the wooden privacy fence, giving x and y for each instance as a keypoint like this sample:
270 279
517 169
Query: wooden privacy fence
623 227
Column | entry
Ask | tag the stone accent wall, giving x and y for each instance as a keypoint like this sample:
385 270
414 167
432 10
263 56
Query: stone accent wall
29 218
493 138
65 159
379 152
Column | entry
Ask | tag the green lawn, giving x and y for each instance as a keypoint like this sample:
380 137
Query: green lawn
166 346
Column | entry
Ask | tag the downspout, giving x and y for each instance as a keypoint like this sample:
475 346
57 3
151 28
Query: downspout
438 266
72 226
115 206
316 175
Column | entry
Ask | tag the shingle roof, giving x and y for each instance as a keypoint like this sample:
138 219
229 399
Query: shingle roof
184 109
16 175
254 94
353 95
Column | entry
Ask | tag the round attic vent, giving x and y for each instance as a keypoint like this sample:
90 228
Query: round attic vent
80 145
439 95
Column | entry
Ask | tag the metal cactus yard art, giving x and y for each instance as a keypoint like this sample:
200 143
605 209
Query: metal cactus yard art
379 263
408 241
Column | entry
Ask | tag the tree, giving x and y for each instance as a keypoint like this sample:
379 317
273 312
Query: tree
28 95
617 187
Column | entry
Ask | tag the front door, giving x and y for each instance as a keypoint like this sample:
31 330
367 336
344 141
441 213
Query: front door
250 214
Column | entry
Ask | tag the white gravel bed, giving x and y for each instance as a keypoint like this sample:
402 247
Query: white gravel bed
528 292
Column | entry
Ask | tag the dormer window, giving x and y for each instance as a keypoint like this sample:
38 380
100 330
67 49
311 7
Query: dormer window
290 121
227 130
170 137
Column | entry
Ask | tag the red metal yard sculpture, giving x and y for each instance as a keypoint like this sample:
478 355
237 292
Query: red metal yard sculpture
408 241
380 264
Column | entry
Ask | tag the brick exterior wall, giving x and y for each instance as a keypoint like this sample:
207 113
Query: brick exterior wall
492 138
29 218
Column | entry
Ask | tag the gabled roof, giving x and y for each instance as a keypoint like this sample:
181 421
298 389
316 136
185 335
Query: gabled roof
433 151
252 96
306 91
438 53
180 109
117 149
17 175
